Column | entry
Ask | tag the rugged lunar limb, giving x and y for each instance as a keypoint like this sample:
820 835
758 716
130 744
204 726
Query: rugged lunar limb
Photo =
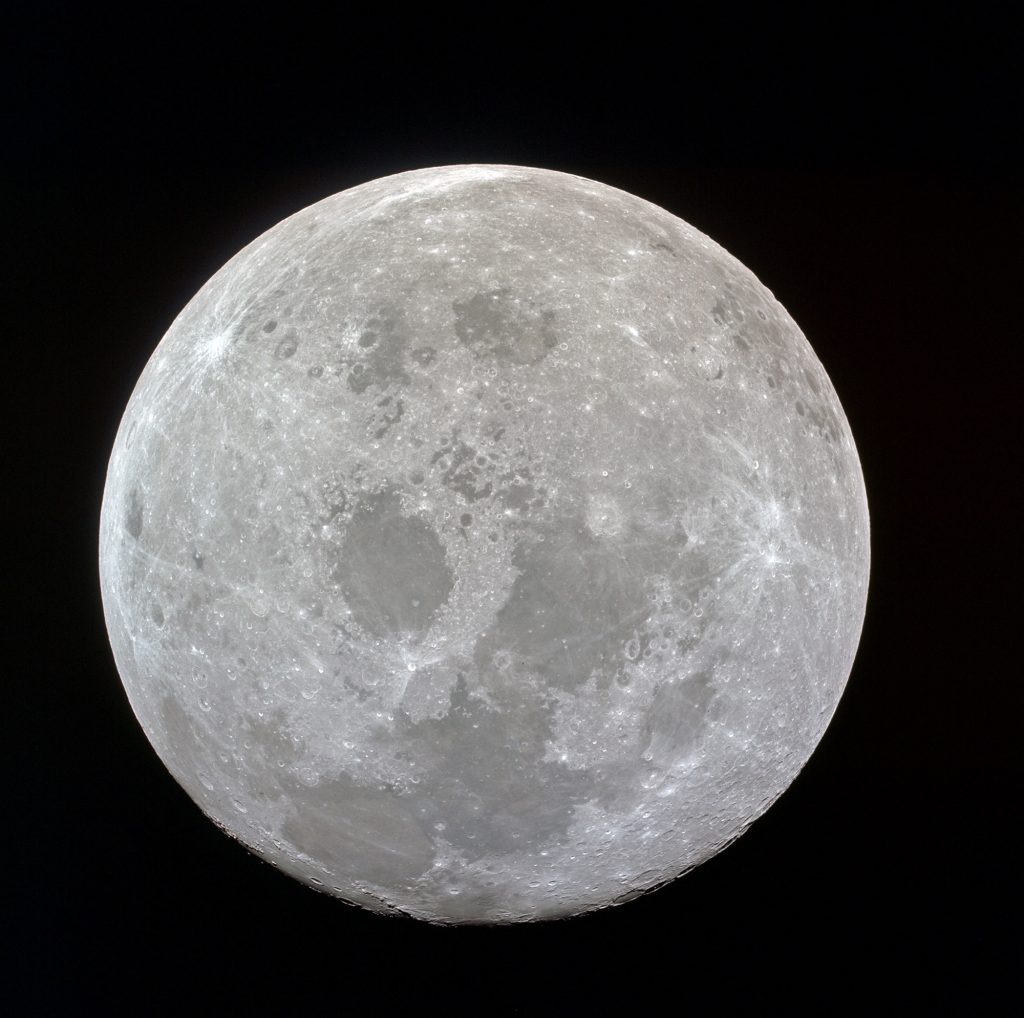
484 543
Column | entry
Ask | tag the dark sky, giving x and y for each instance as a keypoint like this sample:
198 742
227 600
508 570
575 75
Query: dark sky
866 168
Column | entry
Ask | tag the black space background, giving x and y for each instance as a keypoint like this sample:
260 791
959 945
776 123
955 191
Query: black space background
866 168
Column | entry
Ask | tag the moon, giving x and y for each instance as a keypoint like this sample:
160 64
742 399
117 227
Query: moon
484 543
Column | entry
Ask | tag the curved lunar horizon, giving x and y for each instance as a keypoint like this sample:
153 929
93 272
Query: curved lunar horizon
484 543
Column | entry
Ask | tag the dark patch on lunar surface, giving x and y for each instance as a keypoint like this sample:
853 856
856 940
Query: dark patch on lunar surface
505 326
517 490
359 832
391 568
818 413
462 473
133 514
576 601
678 716
492 791
389 412
384 340
178 732
727 309
287 346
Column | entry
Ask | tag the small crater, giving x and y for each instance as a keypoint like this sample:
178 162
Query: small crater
269 326
197 560
316 371
800 408
424 355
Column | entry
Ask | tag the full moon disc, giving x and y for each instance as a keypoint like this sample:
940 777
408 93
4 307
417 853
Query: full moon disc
484 543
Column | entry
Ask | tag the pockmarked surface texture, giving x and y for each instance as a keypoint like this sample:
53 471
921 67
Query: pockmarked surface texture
484 543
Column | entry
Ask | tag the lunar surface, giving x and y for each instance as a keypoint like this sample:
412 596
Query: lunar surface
484 543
